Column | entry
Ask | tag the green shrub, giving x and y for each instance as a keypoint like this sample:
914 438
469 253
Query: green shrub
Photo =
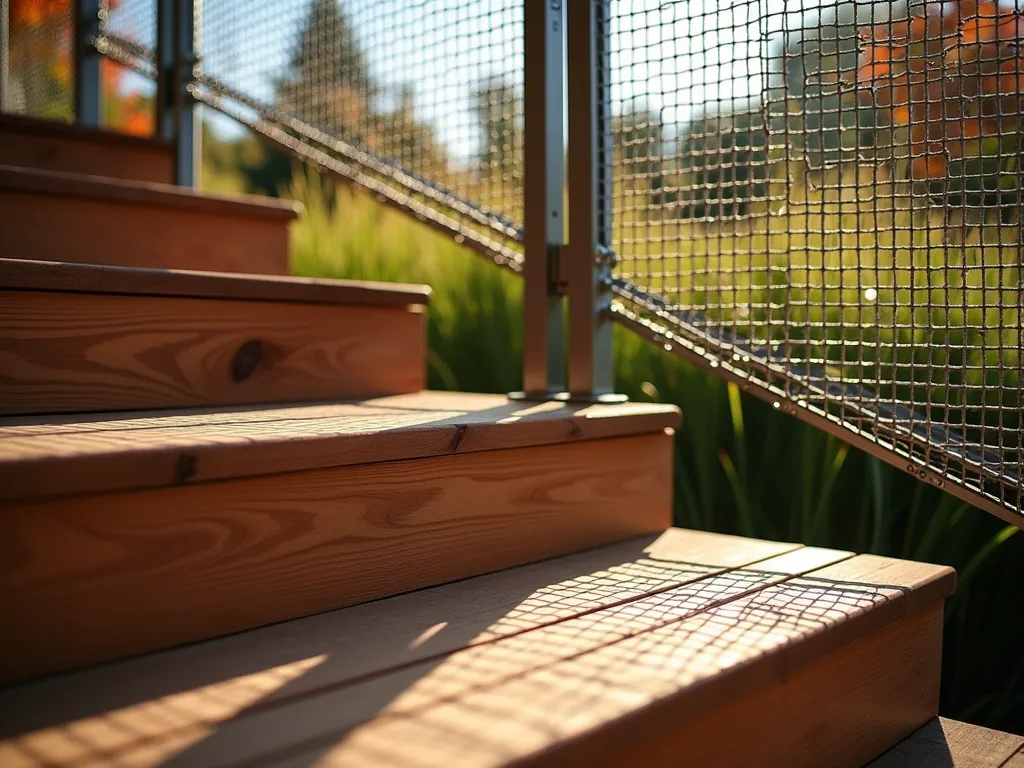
741 467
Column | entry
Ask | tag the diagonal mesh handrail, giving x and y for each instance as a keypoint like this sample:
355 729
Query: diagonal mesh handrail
825 202
818 200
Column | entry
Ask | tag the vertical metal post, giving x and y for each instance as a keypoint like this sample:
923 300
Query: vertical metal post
5 37
543 215
166 74
588 258
188 134
88 94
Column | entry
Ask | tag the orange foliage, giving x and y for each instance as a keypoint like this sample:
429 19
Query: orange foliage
41 33
954 75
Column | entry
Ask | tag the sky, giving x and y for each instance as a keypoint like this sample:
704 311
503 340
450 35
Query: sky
678 58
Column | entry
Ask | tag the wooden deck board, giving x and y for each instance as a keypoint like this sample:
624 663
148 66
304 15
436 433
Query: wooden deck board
944 743
375 637
533 672
92 454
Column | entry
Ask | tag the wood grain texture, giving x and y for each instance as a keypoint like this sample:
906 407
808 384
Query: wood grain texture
49 456
93 579
100 232
92 352
140 193
944 743
601 707
289 718
36 275
54 146
363 641
839 711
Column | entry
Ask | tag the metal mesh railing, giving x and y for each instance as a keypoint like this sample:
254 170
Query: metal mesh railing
40 60
825 204
420 102
819 200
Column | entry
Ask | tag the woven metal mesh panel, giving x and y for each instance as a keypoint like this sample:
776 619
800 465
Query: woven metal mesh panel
824 202
40 59
421 102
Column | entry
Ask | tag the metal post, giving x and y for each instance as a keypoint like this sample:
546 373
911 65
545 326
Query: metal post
5 32
588 258
166 71
188 134
544 218
88 94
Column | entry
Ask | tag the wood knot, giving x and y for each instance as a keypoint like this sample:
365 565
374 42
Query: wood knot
246 360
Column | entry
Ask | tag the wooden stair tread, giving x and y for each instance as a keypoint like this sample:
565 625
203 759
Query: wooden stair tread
586 659
74 454
945 743
83 338
47 127
21 274
55 145
124 192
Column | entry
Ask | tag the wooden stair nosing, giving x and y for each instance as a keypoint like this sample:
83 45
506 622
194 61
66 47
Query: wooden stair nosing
152 194
56 276
93 580
43 457
468 685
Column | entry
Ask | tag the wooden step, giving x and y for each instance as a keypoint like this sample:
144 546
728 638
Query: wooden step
682 648
127 533
56 216
952 744
50 145
76 337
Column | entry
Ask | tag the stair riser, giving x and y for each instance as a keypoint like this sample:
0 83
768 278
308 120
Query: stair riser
94 231
104 577
34 144
67 352
840 710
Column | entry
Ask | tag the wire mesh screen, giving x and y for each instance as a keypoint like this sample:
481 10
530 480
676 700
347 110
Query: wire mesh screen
40 59
824 200
420 102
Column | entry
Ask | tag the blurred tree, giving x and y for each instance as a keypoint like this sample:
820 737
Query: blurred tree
328 84
638 139
41 70
808 115
722 166
951 81
499 111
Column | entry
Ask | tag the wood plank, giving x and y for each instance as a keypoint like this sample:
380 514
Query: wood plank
83 454
52 145
39 183
89 352
598 708
944 742
286 717
108 232
371 638
838 711
92 579
59 276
